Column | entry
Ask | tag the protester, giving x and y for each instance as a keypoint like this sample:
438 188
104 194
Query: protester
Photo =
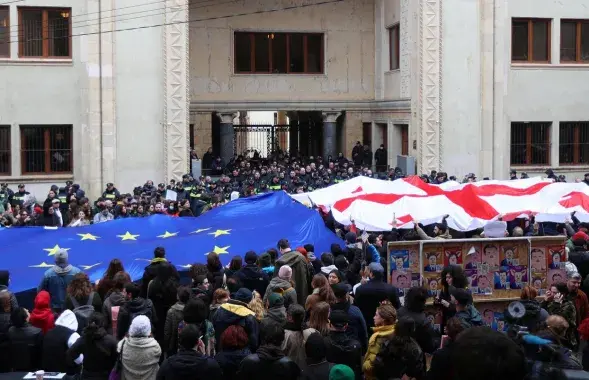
283 285
356 327
317 367
319 318
140 352
275 309
196 312
468 315
322 292
174 316
235 265
414 308
162 291
80 293
106 283
236 311
57 342
298 264
26 342
133 307
370 295
150 272
251 276
534 315
57 278
42 316
4 282
295 335
440 366
257 306
384 319
558 302
116 298
215 271
452 276
341 348
234 348
5 311
220 296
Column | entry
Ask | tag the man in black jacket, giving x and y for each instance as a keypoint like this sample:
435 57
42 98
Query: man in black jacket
370 295
269 361
341 348
357 325
251 276
135 305
188 363
150 272
424 333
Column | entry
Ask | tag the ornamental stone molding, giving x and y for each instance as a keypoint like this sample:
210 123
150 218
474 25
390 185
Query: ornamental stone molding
405 58
330 117
227 117
176 88
430 62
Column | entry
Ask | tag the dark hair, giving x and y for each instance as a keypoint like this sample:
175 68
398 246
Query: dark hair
324 293
115 266
271 332
95 329
415 299
327 259
18 317
159 252
454 327
309 247
234 284
165 284
315 347
234 337
4 277
5 304
183 294
273 254
562 288
338 274
335 249
283 244
484 354
80 287
133 290
189 336
120 280
458 278
213 262
297 313
236 263
264 260
196 311
197 270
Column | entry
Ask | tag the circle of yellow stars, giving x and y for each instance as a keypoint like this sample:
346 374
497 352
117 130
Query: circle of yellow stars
128 236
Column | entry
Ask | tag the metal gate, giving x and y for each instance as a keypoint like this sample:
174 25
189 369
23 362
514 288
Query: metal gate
263 139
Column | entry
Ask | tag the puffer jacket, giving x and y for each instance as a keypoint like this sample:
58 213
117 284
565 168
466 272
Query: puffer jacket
283 287
380 335
236 313
173 318
229 361
470 317
116 298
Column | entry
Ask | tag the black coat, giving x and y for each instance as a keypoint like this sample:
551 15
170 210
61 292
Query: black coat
424 333
317 371
229 362
440 367
100 355
26 344
268 363
341 349
150 273
131 309
189 365
215 279
253 278
369 296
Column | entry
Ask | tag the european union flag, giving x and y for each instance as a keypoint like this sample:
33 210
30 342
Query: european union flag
255 223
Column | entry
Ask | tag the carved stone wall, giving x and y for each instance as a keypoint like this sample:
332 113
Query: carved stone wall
405 48
430 50
176 89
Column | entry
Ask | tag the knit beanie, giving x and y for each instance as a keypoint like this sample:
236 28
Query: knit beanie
351 238
243 295
275 300
140 327
285 273
341 372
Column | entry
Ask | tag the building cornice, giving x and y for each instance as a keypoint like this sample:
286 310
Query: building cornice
302 105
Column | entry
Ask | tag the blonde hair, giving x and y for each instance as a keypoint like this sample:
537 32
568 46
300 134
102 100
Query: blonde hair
387 312
257 306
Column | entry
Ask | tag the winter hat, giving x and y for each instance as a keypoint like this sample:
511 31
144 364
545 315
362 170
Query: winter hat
285 273
341 372
4 276
315 347
243 295
341 262
250 257
340 290
351 238
61 258
234 195
140 327
580 236
339 318
302 251
275 300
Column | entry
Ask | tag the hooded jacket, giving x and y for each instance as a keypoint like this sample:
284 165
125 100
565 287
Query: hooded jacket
56 343
55 281
276 314
140 358
300 272
328 269
229 361
268 363
26 343
253 278
283 287
42 316
357 325
173 318
131 309
236 313
380 335
189 365
469 317
100 354
115 298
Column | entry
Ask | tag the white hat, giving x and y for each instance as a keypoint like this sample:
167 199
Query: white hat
140 327
234 195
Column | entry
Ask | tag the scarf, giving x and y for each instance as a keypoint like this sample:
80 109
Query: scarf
158 260
60 270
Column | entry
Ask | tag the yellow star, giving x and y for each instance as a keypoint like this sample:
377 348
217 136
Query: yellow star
220 232
128 236
200 230
42 265
167 235
86 267
221 250
53 251
88 237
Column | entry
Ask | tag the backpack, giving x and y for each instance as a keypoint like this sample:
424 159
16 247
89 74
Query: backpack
83 312
114 316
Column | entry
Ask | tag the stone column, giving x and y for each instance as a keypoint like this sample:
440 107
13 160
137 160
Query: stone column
293 131
176 89
227 135
329 134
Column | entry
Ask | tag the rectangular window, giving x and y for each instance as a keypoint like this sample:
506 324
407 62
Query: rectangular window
278 53
4 32
46 149
530 143
404 140
5 161
530 40
394 47
574 41
573 148
44 32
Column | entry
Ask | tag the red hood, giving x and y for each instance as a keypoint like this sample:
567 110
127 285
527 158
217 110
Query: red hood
42 300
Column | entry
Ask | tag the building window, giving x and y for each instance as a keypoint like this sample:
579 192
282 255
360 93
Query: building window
573 147
394 47
530 40
278 53
574 41
530 143
404 140
4 32
5 161
46 149
44 32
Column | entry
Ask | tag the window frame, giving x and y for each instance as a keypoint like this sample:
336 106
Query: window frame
576 144
531 22
394 64
46 148
45 31
578 39
252 34
7 128
528 144
8 28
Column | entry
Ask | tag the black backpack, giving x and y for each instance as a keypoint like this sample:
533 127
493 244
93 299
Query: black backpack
83 312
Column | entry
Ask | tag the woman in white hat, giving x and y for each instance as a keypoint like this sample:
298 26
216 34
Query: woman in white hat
140 351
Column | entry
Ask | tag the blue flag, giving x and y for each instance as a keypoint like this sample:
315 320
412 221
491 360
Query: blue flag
246 224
